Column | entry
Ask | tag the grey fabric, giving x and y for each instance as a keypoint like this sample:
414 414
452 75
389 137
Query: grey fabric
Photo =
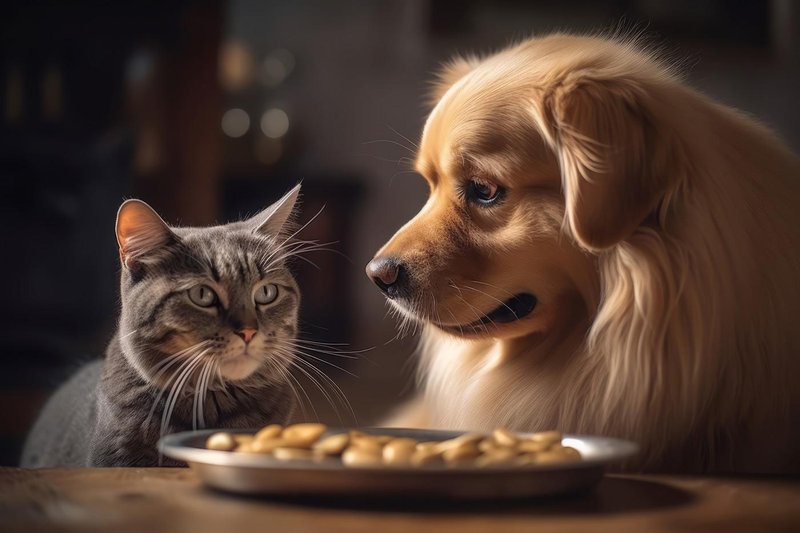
63 429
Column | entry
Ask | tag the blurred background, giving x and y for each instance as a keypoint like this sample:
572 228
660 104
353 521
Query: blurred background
209 110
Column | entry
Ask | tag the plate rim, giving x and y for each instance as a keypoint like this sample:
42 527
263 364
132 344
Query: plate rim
174 446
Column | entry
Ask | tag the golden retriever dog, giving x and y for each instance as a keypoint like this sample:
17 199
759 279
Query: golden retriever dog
604 251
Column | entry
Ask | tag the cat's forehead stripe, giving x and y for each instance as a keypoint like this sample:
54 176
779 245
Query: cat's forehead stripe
214 270
236 257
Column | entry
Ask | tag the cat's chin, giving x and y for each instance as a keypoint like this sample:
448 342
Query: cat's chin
239 367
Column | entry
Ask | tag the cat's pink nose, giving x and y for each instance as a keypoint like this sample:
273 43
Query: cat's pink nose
247 334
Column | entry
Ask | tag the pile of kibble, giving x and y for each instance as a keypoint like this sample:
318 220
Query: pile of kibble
356 448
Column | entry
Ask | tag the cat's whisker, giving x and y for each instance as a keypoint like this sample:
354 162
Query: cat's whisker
212 376
176 392
299 351
337 390
330 344
216 376
296 252
177 355
288 358
163 390
178 372
128 334
224 384
175 381
165 365
198 395
294 362
286 375
290 251
303 390
176 389
309 261
205 375
319 386
330 351
198 398
290 237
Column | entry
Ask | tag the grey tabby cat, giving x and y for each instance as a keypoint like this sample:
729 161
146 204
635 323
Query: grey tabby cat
205 338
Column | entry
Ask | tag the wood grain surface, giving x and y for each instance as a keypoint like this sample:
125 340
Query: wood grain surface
162 499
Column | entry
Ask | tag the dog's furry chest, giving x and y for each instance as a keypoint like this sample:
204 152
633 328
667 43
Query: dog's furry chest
477 386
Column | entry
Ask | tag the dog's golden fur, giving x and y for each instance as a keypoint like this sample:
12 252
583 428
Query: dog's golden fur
660 232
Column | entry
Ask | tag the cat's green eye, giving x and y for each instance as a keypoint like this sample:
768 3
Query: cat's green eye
266 294
202 295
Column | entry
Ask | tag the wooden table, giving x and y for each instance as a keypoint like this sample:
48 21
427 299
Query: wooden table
148 500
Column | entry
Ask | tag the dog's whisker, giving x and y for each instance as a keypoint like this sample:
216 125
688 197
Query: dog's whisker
479 316
409 141
506 291
404 147
460 328
502 303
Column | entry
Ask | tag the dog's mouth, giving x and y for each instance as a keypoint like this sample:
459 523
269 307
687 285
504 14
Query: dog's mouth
513 309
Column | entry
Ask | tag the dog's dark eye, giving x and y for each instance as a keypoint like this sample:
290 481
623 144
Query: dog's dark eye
483 192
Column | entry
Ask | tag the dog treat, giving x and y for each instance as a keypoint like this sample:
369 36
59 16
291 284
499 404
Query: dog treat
547 437
358 449
496 457
289 454
269 432
504 437
426 456
266 445
333 445
361 456
303 435
221 441
399 451
243 439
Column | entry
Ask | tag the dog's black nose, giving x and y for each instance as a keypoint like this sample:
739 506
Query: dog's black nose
388 273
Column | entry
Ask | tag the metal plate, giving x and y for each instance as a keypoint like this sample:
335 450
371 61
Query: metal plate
263 474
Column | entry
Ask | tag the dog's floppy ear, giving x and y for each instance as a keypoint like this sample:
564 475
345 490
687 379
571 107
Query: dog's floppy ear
614 159
451 72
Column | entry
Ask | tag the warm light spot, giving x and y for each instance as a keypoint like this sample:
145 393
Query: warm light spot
235 66
15 95
235 122
275 123
52 93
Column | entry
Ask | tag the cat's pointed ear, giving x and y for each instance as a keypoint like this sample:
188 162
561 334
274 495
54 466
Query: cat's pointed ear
140 232
272 220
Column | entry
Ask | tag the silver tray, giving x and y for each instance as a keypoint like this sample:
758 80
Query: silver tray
262 474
